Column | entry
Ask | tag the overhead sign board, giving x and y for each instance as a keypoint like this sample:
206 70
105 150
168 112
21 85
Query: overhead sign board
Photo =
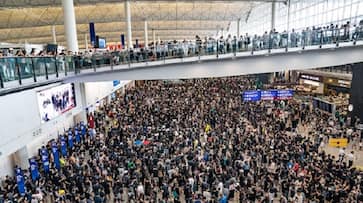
257 95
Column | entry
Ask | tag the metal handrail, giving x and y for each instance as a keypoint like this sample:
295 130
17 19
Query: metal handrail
162 53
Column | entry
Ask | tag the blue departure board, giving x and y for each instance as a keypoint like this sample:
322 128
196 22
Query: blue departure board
269 95
285 94
254 95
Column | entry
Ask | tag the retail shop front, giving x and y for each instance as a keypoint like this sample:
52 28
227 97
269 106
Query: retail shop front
311 84
337 86
331 95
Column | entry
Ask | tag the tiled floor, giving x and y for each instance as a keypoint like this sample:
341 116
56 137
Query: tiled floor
358 154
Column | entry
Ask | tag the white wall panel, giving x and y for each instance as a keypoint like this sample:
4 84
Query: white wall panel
5 166
21 125
97 90
20 121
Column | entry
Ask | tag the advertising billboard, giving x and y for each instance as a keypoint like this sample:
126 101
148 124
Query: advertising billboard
55 101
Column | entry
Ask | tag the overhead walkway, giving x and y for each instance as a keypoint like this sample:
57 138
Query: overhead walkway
26 71
227 65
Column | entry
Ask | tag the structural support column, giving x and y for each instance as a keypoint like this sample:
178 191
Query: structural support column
238 27
273 15
70 25
82 116
21 157
288 17
146 37
128 24
54 35
288 24
356 93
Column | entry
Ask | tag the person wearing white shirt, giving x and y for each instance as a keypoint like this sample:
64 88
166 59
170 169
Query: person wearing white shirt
191 181
350 157
349 131
220 188
185 48
140 191
228 43
341 154
299 197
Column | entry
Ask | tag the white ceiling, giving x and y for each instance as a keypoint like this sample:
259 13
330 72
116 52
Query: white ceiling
32 20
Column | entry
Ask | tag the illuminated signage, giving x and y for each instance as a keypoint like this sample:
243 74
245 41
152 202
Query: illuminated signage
310 77
258 95
251 95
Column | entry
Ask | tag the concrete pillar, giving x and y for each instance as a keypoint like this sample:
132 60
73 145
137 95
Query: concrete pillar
238 27
70 25
82 116
146 37
356 93
288 21
54 35
273 15
294 76
20 158
288 16
128 24
287 75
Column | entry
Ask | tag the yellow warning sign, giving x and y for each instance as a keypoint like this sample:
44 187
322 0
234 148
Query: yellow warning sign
338 142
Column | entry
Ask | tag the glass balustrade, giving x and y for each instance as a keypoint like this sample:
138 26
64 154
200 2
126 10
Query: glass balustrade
36 68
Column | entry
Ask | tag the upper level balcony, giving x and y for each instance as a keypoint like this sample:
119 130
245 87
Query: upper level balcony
212 58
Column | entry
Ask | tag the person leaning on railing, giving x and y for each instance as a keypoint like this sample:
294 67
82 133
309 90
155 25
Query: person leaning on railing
306 37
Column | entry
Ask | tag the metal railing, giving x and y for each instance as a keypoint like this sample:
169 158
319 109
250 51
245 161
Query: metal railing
15 70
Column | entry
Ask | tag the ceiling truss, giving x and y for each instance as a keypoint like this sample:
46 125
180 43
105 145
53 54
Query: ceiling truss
32 20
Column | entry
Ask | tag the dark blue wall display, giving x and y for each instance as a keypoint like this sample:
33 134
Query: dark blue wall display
123 40
92 33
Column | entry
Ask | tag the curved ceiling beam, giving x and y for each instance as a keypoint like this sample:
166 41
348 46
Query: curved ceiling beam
6 4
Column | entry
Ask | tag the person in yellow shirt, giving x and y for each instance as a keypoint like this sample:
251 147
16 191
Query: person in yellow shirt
195 144
207 128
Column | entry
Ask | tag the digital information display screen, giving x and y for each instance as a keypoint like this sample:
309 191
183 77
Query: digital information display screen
284 94
55 101
251 95
268 95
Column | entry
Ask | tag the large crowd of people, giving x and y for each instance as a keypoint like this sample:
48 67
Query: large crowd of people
197 141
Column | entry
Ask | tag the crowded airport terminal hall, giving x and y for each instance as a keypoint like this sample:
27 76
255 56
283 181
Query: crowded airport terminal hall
181 101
